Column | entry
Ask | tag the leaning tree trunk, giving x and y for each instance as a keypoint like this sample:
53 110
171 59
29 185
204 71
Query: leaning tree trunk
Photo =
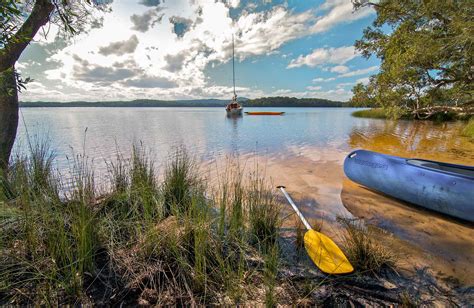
9 54
8 115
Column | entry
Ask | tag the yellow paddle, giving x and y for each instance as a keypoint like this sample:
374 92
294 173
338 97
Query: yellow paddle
321 249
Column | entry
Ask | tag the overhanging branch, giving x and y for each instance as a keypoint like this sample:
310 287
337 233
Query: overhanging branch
39 17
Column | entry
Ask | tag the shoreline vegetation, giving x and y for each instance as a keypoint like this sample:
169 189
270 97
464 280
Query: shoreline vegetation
374 113
380 113
259 102
177 241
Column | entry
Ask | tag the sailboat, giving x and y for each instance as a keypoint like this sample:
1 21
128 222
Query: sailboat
233 108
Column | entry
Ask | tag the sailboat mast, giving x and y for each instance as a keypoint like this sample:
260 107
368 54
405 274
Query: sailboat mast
233 64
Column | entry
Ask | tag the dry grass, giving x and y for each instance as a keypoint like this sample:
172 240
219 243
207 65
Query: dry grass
407 301
363 251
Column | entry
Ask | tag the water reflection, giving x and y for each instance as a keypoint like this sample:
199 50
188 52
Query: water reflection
449 252
415 139
235 121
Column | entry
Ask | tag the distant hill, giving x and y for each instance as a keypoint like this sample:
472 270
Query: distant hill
259 102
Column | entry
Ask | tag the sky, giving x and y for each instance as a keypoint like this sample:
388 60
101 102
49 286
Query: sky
182 49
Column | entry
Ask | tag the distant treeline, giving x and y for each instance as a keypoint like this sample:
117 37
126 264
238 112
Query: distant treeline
259 102
134 103
281 101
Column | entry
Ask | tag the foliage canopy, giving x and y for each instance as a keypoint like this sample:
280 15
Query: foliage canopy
426 49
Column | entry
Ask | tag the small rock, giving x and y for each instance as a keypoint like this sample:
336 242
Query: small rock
388 285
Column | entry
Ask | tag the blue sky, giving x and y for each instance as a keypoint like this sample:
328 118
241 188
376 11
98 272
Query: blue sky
181 49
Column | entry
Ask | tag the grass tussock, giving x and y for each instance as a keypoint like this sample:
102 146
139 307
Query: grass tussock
468 130
374 113
408 301
363 251
143 241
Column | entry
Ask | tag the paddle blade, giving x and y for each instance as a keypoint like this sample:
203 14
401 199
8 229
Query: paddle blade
325 254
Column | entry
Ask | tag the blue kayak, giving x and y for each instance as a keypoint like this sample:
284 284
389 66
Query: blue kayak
441 187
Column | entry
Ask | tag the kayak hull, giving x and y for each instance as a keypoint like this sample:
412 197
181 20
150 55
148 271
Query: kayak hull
415 181
264 113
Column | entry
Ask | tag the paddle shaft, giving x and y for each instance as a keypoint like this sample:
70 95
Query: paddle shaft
305 222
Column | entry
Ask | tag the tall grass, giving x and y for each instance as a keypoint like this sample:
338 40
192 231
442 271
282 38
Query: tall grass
468 129
51 240
180 180
158 242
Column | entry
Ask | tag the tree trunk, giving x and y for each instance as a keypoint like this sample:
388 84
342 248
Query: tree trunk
9 54
8 115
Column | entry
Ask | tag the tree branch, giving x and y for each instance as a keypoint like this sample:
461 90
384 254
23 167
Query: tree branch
39 17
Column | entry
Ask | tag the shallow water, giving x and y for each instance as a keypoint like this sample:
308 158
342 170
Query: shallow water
303 149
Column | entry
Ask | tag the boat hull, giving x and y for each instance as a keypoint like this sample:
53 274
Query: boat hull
234 112
446 192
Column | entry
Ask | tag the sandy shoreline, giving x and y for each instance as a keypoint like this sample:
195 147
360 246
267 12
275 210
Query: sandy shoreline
423 239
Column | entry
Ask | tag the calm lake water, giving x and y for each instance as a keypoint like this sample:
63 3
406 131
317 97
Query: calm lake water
208 133
303 149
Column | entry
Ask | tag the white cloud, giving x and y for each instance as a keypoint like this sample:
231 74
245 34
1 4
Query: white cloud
234 3
341 69
360 71
160 64
365 80
321 56
333 94
315 80
281 92
339 11
263 32
344 84
314 88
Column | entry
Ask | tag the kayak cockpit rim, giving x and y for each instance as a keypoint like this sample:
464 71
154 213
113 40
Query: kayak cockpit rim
459 170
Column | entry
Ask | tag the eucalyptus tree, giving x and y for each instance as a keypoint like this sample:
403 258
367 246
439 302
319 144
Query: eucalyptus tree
426 50
20 21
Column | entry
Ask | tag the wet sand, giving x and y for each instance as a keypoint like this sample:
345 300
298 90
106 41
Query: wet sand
426 238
